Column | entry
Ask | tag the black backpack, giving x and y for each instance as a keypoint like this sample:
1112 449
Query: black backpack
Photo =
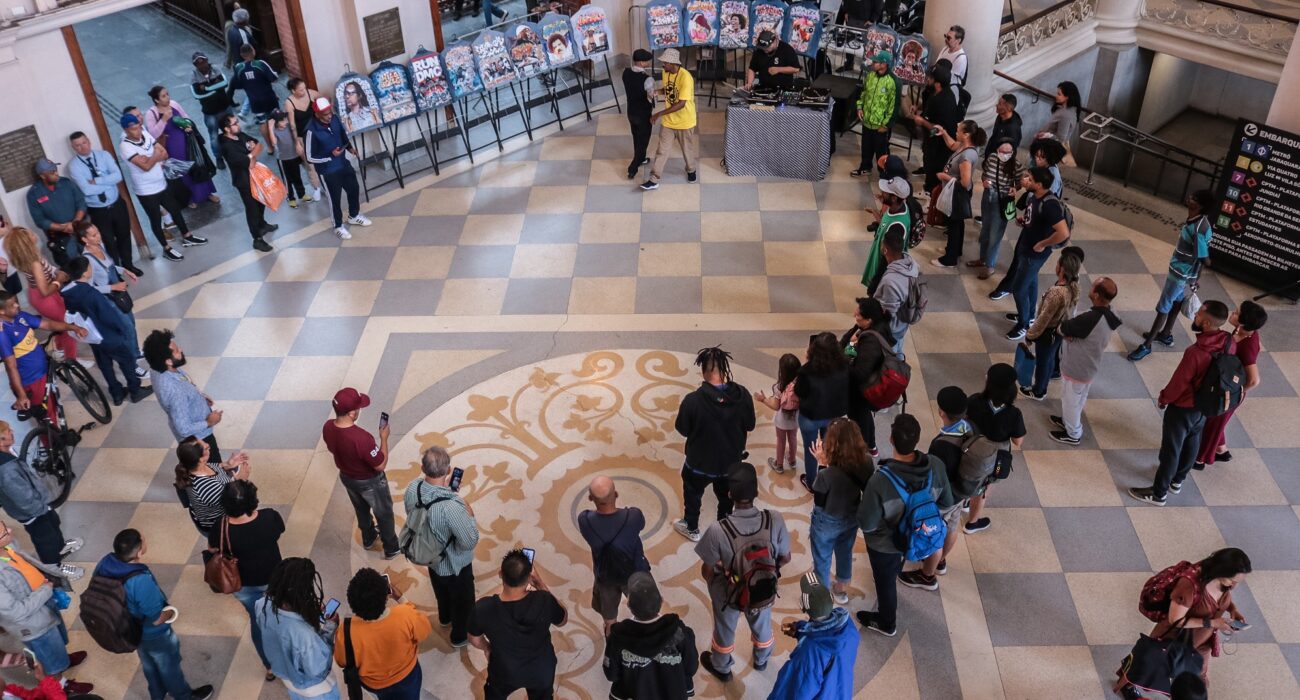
916 213
963 103
1222 386
106 617
613 565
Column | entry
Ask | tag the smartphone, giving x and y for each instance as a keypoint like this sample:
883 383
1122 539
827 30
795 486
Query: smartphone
1239 625
386 579
29 658
530 554
456 474
383 420
331 607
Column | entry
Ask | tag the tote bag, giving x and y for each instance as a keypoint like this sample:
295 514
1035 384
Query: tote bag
265 186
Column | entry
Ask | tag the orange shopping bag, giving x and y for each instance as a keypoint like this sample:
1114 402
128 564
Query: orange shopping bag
266 187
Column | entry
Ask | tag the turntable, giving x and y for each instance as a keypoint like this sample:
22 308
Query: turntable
765 95
814 97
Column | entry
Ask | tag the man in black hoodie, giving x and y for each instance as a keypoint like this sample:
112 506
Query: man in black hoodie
652 656
715 419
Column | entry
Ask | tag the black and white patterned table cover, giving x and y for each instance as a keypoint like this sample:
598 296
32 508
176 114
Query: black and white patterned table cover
794 142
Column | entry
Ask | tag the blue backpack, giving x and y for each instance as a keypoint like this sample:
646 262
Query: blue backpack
921 530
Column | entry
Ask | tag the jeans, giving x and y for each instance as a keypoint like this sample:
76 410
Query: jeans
372 502
338 182
1073 396
831 535
160 659
1023 284
811 431
455 596
693 485
406 689
114 224
47 537
124 356
1045 354
212 121
489 12
641 131
51 649
248 597
1180 438
884 572
992 227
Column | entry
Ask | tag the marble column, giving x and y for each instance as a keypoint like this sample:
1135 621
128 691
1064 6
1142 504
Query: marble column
1117 22
982 20
1283 113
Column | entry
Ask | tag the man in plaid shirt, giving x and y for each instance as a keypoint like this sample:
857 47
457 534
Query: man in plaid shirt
876 110
452 522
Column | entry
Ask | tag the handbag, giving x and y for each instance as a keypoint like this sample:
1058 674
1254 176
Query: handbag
1153 663
1002 466
351 674
175 168
221 568
122 298
93 336
204 169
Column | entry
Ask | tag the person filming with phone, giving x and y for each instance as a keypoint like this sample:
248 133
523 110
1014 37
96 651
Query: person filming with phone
361 462
379 647
514 629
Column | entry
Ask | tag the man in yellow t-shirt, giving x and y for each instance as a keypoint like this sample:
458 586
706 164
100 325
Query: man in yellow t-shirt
678 119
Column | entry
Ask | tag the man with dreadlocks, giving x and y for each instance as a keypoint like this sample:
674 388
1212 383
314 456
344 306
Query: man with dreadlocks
297 642
715 419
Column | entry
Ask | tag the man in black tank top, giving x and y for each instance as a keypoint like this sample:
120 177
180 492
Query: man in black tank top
638 84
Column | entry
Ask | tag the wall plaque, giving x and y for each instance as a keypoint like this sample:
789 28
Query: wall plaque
19 151
384 35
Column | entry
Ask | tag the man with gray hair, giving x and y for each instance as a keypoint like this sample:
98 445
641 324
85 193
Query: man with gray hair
614 535
448 523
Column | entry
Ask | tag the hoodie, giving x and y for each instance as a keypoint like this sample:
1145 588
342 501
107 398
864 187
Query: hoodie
821 665
715 420
1085 339
654 660
144 599
882 507
892 291
23 495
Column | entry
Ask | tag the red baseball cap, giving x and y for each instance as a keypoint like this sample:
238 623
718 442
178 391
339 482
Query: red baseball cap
349 399
322 105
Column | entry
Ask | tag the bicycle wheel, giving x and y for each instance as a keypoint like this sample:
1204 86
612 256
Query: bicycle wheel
44 451
86 389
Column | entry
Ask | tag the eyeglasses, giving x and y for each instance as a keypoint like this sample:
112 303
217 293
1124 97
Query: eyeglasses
350 92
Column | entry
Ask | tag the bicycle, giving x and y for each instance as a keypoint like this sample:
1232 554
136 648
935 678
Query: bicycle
48 448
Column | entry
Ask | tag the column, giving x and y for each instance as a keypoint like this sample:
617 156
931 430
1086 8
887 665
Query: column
982 20
1283 113
1117 22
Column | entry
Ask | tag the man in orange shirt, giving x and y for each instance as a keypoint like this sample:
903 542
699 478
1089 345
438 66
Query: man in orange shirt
383 641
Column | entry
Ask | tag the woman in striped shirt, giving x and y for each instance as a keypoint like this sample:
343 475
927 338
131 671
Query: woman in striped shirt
199 483
1002 172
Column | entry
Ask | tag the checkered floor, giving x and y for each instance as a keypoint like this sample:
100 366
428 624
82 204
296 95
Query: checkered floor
469 281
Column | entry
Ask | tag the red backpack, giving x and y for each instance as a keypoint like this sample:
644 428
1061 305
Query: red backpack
1156 592
891 383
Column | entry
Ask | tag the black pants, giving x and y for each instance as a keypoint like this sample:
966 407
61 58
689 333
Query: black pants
884 572
114 224
641 131
214 452
1180 439
693 485
492 692
154 204
291 171
934 155
956 241
338 182
455 596
121 354
47 536
874 144
865 419
254 212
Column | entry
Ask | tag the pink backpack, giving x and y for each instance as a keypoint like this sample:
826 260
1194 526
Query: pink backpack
789 403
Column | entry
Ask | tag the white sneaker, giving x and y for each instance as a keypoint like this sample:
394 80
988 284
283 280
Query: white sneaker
316 194
72 573
71 545
343 233
359 220
141 372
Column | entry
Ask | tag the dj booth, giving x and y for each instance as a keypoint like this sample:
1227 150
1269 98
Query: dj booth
772 133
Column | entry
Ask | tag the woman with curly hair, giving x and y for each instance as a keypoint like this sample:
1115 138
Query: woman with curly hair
297 639
843 467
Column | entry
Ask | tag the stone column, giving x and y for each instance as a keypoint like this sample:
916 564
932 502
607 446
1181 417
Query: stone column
1117 22
982 20
1283 113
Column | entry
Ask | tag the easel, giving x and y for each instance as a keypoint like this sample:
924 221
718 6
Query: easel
397 161
363 158
467 123
592 84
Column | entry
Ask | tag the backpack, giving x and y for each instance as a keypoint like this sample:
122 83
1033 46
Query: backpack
921 530
1069 219
963 102
788 402
106 617
613 565
895 375
1221 388
917 215
752 575
979 458
1153 603
913 307
416 539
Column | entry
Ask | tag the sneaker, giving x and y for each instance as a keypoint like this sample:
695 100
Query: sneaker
860 172
692 535
706 663
343 233
75 658
141 372
803 481
869 621
72 573
1224 456
1199 466
965 506
840 597
202 692
780 468
873 451
996 295
1165 340
975 526
444 623
117 399
1146 496
1012 317
388 556
173 254
190 240
1139 352
1128 692
1064 438
505 14
370 545
1016 333
270 228
918 579
261 244
943 568
141 394
71 545
461 644
760 667
631 174
873 226
649 185
316 194
293 204
359 220
74 688
692 177
1176 487
1057 421
937 262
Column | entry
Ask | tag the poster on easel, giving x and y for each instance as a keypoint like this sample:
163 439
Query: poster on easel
526 50
803 31
459 61
880 37
494 65
767 15
356 104
733 29
557 32
663 24
393 90
702 22
591 30
913 59
428 80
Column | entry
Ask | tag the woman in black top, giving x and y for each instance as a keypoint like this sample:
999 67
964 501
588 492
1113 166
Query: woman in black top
866 358
253 537
940 110
994 415
822 386
240 151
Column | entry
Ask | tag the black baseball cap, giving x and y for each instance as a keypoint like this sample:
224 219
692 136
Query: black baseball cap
642 55
765 38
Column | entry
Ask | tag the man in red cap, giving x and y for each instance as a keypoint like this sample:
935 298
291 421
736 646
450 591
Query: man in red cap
327 145
361 462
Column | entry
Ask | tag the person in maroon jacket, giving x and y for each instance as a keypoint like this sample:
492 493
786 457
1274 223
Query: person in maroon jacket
1180 434
361 462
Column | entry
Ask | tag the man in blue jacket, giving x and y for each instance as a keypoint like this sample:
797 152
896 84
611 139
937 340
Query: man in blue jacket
821 665
118 344
25 498
327 145
159 649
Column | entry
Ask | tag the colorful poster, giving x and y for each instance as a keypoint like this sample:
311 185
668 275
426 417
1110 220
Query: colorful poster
393 89
356 104
880 38
663 24
702 22
767 15
804 30
459 60
526 50
591 29
913 59
556 30
494 65
429 80
733 32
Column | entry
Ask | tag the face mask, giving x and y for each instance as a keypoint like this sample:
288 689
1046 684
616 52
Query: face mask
1004 157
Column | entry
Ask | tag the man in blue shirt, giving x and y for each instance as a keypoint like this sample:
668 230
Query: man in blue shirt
1191 254
189 411
327 145
55 203
97 176
24 358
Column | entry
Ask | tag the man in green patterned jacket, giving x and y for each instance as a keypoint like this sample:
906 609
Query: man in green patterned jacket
876 110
